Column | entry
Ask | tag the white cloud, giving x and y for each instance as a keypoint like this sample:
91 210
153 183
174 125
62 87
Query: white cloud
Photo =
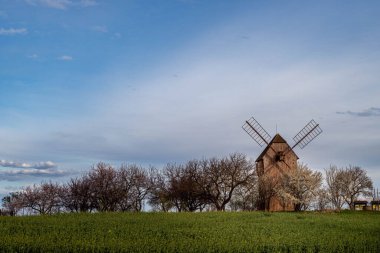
13 31
56 4
61 4
37 166
65 58
20 175
19 171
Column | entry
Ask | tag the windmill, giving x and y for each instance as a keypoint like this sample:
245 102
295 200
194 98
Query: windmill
277 160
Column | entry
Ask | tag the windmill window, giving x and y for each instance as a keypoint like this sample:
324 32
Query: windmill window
279 157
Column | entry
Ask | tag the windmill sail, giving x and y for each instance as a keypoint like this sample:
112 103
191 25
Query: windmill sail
307 134
256 131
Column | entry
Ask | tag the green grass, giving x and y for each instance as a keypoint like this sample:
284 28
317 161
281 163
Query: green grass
193 232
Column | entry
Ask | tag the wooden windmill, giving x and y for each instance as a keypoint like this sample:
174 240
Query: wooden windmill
276 161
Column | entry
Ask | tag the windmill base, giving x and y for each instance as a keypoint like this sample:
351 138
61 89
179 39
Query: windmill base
274 204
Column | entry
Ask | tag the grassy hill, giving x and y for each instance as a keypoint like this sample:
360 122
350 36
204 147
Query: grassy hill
193 232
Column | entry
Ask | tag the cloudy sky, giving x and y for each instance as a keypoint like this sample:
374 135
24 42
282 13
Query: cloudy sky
152 82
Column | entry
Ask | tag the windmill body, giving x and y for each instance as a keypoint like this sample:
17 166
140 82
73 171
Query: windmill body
276 162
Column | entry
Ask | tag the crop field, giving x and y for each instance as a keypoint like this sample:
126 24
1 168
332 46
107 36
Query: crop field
193 232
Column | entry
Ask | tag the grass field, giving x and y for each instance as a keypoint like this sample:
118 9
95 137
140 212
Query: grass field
193 232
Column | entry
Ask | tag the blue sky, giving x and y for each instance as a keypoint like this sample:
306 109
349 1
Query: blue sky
152 82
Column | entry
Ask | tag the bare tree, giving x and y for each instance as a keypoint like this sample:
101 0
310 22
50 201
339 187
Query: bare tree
355 182
12 203
181 187
77 195
323 200
193 196
159 197
125 184
222 176
334 186
246 196
346 185
140 186
43 198
104 187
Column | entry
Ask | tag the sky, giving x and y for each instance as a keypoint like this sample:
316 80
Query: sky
156 82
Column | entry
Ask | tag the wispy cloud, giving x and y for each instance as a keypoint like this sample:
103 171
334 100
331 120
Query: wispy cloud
100 28
371 112
13 31
56 4
61 4
65 58
18 171
21 165
17 175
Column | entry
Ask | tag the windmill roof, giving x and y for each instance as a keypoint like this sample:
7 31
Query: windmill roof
276 139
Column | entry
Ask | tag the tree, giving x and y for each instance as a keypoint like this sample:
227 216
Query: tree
77 195
140 186
345 185
334 186
183 188
221 177
159 197
12 203
355 182
300 186
323 199
43 198
104 187
246 196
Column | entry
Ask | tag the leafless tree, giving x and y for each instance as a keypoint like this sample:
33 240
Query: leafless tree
345 185
43 198
12 203
104 187
323 200
159 197
140 186
246 196
192 194
221 177
183 190
355 182
334 186
125 184
77 195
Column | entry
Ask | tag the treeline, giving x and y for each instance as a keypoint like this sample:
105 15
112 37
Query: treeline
228 183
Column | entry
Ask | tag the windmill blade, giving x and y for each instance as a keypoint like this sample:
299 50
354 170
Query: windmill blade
256 131
307 134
